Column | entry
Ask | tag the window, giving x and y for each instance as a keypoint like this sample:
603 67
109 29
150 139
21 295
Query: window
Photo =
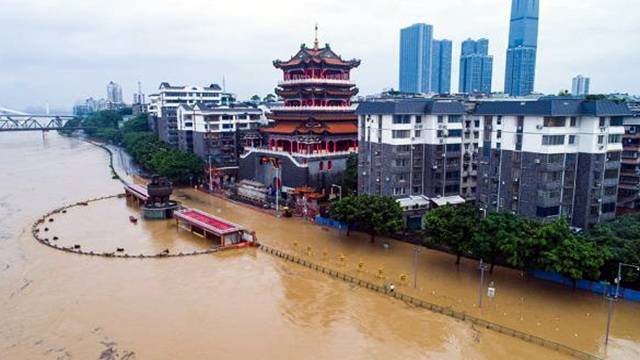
402 119
321 165
555 158
453 148
611 191
403 148
454 133
455 119
440 133
554 121
499 134
440 119
227 117
399 191
418 119
401 162
611 174
553 140
401 134
547 211
616 121
615 139
417 133
600 139
402 177
329 165
603 121
499 121
572 139
227 126
574 121
608 208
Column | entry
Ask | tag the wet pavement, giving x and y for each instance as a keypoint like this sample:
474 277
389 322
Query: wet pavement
237 304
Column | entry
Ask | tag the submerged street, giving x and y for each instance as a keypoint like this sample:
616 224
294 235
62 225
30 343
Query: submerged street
65 306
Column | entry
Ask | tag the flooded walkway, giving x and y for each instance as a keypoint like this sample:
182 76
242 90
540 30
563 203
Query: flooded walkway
232 305
574 318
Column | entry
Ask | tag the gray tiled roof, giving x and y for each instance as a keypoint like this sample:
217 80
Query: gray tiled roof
411 106
554 107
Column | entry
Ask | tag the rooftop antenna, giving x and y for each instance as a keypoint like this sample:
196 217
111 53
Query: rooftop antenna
315 41
224 84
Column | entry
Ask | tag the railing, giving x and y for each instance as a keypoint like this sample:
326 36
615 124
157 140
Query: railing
249 150
315 81
314 108
447 311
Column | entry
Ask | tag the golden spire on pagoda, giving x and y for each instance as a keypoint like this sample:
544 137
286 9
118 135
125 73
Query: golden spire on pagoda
315 41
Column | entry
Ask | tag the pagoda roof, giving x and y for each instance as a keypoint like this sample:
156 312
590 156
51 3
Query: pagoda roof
336 128
316 55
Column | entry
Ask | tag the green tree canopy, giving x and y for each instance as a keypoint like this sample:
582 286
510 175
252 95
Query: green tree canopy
495 231
376 215
451 227
349 178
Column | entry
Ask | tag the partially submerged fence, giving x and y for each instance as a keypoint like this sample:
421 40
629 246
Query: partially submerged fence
432 307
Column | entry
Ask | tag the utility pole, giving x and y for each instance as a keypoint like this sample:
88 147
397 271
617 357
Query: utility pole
615 297
415 266
210 176
483 268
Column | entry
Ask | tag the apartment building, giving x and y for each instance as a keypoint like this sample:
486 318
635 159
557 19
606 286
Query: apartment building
411 150
629 190
163 106
218 134
551 157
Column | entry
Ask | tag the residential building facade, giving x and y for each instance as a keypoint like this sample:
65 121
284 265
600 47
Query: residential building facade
629 191
523 46
476 67
551 158
580 85
410 150
163 106
217 134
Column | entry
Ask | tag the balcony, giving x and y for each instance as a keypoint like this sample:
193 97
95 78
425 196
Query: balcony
612 165
556 166
311 80
350 108
611 182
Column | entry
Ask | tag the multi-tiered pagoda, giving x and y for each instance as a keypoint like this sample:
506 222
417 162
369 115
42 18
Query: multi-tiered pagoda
315 130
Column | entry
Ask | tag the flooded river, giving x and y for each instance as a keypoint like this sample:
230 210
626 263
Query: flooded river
240 304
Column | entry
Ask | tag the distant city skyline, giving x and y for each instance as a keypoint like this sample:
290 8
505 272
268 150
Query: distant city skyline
476 67
73 56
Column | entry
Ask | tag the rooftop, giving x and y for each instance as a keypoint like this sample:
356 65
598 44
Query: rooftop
554 107
411 106
316 55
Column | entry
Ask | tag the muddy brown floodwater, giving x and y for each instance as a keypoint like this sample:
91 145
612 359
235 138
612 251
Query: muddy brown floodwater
244 303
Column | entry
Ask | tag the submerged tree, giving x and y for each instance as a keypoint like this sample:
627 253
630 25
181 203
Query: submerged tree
451 227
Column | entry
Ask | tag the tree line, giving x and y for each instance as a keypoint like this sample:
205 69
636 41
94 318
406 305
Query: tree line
506 239
144 146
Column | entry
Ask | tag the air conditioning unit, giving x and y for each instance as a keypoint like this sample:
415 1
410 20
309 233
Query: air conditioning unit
418 126
603 128
601 147
519 128
435 167
378 180
516 180
442 127
441 141
539 127
537 161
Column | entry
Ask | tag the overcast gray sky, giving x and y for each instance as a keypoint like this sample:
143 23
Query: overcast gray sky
62 51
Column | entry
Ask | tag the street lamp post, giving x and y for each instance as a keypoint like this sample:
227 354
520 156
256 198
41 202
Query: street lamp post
483 268
615 297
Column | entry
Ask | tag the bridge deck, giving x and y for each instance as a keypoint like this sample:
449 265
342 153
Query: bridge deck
136 190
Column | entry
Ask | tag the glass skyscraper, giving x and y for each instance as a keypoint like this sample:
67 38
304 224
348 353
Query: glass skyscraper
476 67
441 66
425 64
416 43
523 45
